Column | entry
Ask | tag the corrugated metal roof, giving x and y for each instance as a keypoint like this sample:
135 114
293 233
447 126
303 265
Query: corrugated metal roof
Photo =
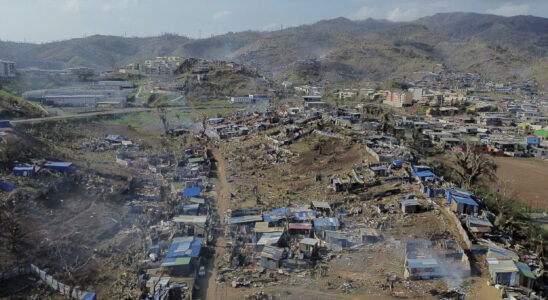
274 253
525 270
194 160
57 164
422 263
300 226
175 261
245 219
326 222
270 238
190 219
309 241
502 266
321 204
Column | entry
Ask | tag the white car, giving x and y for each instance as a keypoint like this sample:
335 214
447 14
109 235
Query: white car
202 271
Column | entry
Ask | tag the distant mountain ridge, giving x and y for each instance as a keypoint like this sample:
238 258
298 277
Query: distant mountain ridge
353 50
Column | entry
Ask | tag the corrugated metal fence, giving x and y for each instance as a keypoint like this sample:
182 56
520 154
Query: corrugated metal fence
62 288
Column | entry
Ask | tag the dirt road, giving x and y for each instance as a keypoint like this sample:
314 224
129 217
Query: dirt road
213 290
110 112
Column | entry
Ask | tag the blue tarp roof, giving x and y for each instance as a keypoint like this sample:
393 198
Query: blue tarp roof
272 218
282 211
185 246
305 215
7 187
465 200
23 168
326 222
425 174
89 296
192 192
459 193
398 162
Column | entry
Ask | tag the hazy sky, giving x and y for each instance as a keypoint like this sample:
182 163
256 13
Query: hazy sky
48 20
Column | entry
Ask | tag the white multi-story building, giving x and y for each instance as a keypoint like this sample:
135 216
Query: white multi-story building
7 68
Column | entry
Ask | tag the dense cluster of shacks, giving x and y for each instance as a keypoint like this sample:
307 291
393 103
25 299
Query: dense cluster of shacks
171 204
299 237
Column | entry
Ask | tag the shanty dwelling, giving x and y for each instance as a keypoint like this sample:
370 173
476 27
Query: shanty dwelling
183 255
478 225
22 170
498 253
321 207
337 184
422 268
425 176
449 193
62 167
304 215
464 205
271 257
503 272
309 247
409 206
191 209
379 170
337 241
178 266
370 235
300 230
196 224
268 239
155 285
323 224
533 140
192 192
263 227
526 277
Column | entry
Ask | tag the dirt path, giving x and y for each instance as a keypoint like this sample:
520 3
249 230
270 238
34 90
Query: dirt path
111 112
214 290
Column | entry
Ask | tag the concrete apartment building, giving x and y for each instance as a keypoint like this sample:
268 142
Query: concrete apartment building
399 98
7 68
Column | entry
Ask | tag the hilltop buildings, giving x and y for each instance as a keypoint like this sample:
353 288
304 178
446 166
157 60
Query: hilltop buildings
7 68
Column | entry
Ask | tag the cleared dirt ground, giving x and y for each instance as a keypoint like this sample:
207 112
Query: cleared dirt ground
526 177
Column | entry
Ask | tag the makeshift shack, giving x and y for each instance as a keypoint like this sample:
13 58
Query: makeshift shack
323 224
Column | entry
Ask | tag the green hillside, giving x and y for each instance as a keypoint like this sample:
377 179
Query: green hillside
15 107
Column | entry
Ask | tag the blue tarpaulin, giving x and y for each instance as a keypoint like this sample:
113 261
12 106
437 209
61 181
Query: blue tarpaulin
326 222
425 174
305 215
189 246
7 187
192 192
89 296
464 200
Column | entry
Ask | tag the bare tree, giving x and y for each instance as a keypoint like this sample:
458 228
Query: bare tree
12 232
470 165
